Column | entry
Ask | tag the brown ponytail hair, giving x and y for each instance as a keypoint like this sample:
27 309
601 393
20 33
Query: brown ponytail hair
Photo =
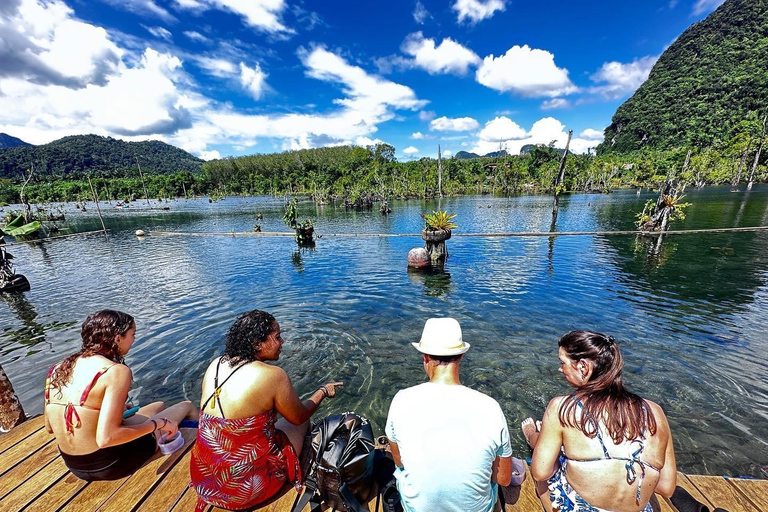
604 397
99 333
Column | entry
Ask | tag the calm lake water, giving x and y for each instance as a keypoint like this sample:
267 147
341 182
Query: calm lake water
690 318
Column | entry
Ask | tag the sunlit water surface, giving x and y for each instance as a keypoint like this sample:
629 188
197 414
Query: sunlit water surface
690 317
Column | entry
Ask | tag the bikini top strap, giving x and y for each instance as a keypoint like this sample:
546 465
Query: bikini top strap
88 388
217 390
597 431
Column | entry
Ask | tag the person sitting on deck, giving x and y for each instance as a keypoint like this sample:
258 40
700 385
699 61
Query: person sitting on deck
244 453
601 447
85 398
450 443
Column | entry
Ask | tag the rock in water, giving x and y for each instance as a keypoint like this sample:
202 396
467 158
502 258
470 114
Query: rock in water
418 257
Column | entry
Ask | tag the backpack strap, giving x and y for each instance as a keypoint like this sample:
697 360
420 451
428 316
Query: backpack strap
310 494
349 499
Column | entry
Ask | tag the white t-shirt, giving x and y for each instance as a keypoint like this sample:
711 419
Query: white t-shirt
448 438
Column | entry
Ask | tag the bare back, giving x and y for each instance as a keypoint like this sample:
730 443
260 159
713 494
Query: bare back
76 431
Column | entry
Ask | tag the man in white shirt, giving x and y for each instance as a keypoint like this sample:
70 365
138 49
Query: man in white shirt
450 443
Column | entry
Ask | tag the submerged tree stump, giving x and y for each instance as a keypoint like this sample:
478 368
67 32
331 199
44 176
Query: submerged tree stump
435 244
11 412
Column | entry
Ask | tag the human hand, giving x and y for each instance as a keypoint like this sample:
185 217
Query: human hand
167 427
329 390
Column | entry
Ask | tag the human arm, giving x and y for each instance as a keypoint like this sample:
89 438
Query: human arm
501 471
110 430
547 451
668 474
288 403
396 454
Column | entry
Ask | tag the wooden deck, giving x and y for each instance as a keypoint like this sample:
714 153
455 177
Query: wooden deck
33 478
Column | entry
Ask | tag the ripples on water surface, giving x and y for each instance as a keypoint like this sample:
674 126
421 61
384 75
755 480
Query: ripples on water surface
691 320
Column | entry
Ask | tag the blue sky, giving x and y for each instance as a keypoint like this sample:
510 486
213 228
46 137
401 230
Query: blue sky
233 77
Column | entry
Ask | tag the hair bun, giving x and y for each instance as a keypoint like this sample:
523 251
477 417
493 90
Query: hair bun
610 341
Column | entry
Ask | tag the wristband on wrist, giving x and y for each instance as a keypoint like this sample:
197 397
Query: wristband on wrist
155 424
325 391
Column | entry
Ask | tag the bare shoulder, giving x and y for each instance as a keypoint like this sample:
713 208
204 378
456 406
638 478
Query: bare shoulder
556 402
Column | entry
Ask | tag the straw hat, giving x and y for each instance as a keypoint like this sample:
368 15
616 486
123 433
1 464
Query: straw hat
441 337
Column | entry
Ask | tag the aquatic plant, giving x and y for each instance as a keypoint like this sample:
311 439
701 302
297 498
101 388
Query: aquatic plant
304 230
436 221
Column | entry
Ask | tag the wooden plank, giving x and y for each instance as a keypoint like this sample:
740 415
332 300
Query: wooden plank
141 483
35 486
522 498
58 494
685 483
170 489
756 491
23 449
664 504
22 471
721 494
93 495
16 434
187 502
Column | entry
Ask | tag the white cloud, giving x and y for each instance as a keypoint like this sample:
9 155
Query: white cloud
501 129
526 71
417 135
196 36
702 6
543 131
420 13
426 115
159 32
459 124
477 10
262 15
555 103
591 134
217 67
253 80
622 79
447 153
144 8
410 150
448 57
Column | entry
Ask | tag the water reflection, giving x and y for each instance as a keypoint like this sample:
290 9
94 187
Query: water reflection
436 280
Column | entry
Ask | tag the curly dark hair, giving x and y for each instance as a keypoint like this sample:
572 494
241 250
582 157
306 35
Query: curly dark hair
246 335
99 333
604 396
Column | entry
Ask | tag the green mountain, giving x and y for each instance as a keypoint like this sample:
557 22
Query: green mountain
713 77
7 141
84 155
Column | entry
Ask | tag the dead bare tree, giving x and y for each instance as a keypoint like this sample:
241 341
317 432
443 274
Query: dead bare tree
560 178
757 154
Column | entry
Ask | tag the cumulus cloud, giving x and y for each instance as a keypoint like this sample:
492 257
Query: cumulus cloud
253 80
221 68
417 135
555 103
447 153
43 44
702 6
426 115
460 124
513 137
616 79
410 150
591 134
264 15
420 13
525 71
447 57
196 36
159 32
477 10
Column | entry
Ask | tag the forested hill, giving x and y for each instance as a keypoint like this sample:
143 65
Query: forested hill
80 155
7 141
713 77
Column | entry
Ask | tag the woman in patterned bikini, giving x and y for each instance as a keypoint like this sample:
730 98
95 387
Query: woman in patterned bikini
601 448
85 398
244 453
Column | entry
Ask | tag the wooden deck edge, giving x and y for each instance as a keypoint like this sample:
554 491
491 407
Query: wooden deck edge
742 493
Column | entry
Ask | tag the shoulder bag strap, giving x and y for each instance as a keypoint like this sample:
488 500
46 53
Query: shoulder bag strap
310 491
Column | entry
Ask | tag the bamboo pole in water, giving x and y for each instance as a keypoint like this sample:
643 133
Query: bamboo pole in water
11 412
96 200
144 185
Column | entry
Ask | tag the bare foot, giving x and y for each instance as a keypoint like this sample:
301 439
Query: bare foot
531 431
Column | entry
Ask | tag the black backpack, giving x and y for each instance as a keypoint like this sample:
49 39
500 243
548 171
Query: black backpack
342 472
